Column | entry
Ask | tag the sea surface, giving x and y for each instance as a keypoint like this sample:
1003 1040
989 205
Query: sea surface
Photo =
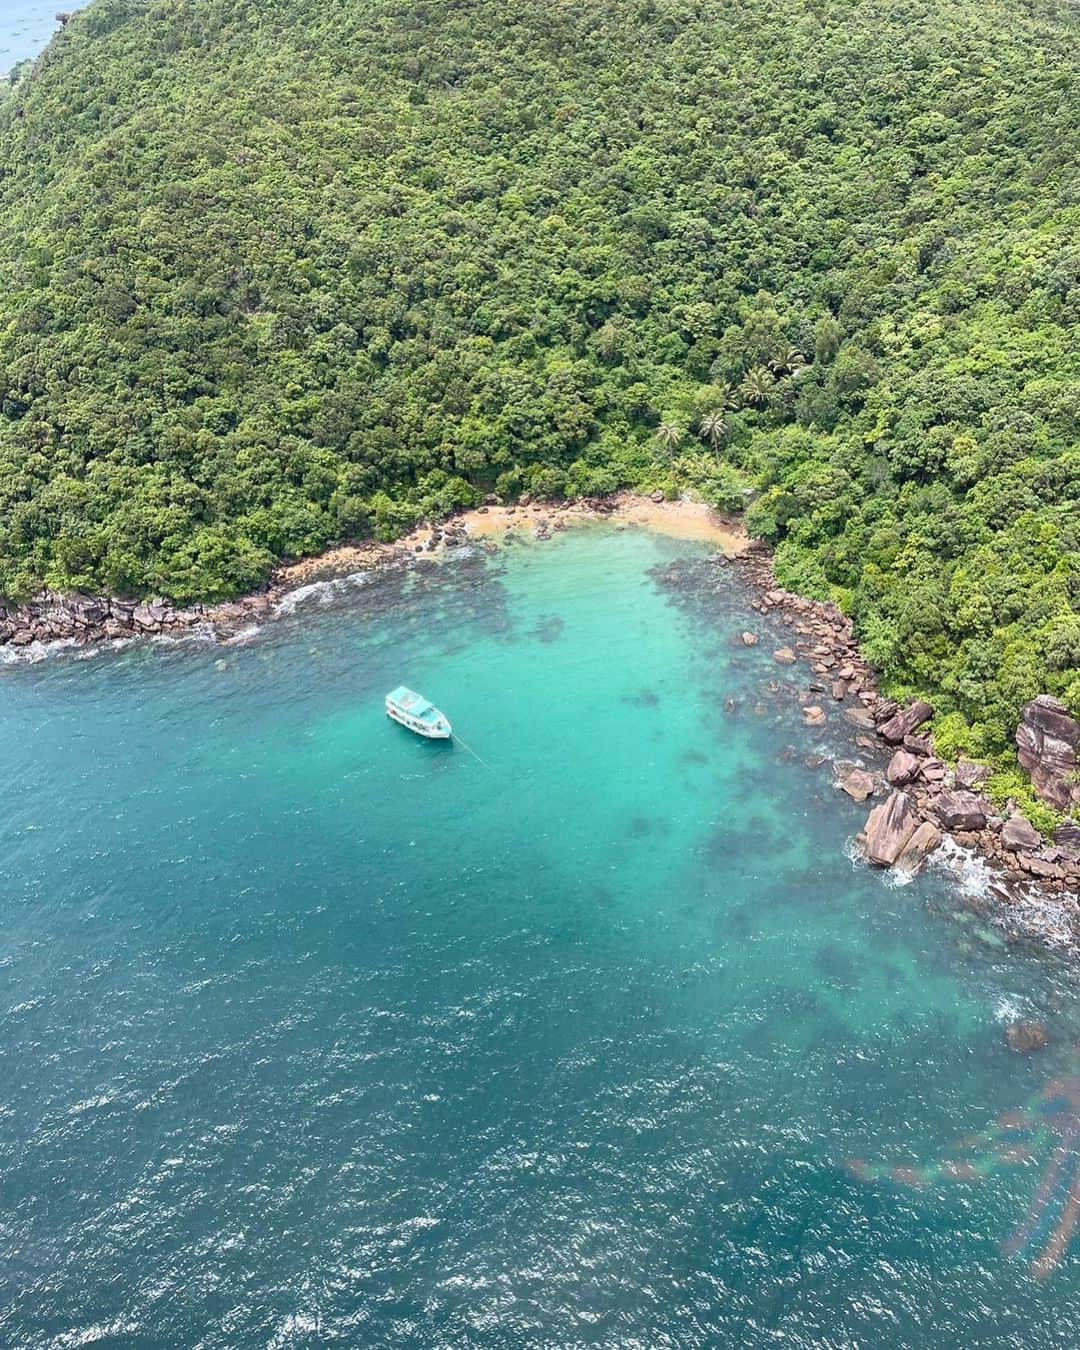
314 1033
25 28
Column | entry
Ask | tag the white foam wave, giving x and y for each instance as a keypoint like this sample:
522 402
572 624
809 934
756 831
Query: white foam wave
1008 1010
199 632
92 1335
243 637
1032 912
853 853
971 875
110 645
1051 918
320 593
896 877
34 652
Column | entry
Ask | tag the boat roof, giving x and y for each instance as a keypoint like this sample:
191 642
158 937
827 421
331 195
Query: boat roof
411 701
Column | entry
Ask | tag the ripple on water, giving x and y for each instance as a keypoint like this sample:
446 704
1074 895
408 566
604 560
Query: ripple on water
313 1032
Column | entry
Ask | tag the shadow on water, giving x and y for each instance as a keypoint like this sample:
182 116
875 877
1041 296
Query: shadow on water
644 698
837 966
549 629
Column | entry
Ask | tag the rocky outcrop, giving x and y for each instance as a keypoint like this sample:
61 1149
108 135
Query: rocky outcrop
1025 1037
889 827
856 782
925 840
904 722
932 797
1020 836
961 810
903 768
1047 746
53 617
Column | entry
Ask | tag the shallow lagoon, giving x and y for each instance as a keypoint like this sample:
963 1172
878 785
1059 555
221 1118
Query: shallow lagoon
312 1032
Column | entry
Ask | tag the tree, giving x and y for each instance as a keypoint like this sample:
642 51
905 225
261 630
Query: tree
714 428
668 436
787 361
225 336
757 386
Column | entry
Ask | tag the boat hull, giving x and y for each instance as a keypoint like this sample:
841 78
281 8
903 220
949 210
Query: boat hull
429 732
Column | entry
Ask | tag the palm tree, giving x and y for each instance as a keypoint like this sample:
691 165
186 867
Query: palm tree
669 434
787 361
714 427
758 385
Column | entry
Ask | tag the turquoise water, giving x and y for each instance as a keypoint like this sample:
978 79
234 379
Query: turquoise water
314 1033
25 28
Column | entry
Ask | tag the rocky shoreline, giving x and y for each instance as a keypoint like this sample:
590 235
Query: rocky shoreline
925 801
87 619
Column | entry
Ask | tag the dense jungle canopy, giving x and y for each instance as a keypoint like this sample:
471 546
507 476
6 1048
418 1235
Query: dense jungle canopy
279 272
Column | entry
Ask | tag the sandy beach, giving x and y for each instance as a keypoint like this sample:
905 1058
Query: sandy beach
680 519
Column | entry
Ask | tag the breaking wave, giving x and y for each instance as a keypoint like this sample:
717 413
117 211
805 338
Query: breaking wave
320 594
34 652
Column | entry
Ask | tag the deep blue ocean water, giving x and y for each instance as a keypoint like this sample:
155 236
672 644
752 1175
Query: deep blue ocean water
25 28
314 1033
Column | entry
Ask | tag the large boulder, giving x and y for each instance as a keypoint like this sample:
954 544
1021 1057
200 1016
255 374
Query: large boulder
961 811
903 768
1020 836
888 829
1025 1037
148 617
907 720
88 610
1048 747
1067 837
933 771
913 856
856 782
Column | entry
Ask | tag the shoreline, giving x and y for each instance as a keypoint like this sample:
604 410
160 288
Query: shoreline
921 809
917 803
88 619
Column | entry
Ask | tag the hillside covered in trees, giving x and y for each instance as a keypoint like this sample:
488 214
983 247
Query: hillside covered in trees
279 272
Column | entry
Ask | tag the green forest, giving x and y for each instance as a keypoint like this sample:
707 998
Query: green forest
275 273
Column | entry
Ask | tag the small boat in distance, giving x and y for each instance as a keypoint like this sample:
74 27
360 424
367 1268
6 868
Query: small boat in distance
413 710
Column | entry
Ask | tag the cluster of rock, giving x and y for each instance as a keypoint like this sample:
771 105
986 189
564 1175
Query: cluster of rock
450 534
53 617
923 799
91 618
926 798
822 635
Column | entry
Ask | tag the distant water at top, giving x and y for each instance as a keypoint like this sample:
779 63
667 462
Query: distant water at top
26 27
313 1033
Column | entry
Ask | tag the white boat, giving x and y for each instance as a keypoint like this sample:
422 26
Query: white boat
413 710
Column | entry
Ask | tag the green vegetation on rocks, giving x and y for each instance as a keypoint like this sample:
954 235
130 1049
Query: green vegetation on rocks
279 272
